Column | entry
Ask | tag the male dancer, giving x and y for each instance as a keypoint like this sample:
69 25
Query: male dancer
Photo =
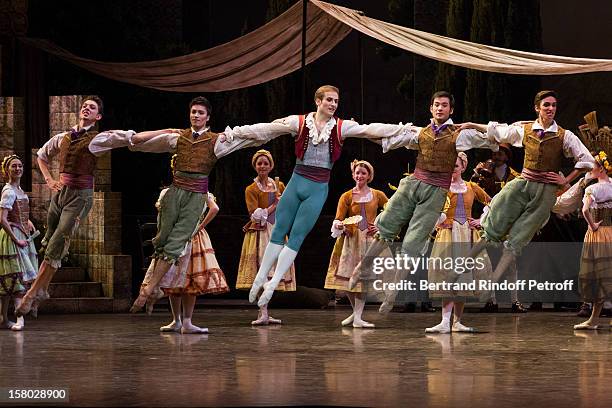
319 137
420 198
524 204
197 150
77 150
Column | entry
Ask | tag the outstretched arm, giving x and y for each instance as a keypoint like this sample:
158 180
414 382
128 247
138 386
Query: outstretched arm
111 139
155 141
350 128
240 137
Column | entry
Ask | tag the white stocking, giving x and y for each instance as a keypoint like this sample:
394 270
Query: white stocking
284 262
358 310
271 254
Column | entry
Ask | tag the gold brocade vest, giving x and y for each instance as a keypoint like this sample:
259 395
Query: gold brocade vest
20 213
545 154
74 155
437 153
195 156
602 214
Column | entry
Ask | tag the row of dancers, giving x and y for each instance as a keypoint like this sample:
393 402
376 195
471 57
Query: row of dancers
515 214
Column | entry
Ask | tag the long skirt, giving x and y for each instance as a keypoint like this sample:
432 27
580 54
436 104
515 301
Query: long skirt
197 272
18 266
595 277
253 248
448 260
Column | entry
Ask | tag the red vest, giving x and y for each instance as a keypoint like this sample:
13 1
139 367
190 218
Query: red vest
303 139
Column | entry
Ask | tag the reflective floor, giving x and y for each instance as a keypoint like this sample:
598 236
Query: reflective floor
528 360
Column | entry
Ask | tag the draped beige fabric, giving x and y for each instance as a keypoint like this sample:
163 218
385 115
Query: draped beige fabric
270 52
274 50
464 53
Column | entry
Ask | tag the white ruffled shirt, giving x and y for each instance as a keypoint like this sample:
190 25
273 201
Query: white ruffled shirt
261 133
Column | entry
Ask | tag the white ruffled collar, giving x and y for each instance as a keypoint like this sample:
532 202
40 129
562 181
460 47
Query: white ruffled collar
362 198
314 135
458 188
270 185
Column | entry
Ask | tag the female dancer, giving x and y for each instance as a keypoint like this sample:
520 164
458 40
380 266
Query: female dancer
353 240
261 200
318 144
595 276
18 261
455 237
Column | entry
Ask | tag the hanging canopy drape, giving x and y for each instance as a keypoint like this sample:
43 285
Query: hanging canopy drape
464 53
271 51
274 50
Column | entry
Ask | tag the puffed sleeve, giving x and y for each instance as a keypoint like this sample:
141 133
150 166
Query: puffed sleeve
8 198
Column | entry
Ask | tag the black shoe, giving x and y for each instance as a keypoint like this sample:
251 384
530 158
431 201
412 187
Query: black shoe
490 307
517 307
585 310
605 313
535 306
426 307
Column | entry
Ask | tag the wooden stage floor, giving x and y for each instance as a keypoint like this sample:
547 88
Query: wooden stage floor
534 359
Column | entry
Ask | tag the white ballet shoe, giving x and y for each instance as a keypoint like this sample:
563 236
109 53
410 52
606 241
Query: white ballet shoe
348 321
255 288
262 321
193 330
460 328
172 327
586 326
362 324
266 295
19 325
386 307
272 320
442 328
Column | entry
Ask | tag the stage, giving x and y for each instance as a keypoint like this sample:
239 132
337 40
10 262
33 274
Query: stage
534 359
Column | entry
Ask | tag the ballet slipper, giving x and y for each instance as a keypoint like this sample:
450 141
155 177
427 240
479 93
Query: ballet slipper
362 324
267 294
586 326
172 327
19 325
348 321
460 328
442 328
191 329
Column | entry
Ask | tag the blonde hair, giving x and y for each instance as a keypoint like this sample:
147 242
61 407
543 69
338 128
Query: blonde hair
265 154
464 159
366 165
320 93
